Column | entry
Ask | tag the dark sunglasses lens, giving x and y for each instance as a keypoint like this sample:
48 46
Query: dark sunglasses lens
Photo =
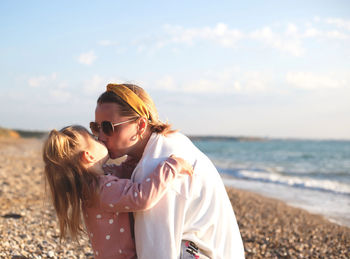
107 128
94 128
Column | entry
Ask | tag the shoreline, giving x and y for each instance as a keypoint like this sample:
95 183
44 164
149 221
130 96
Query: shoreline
270 228
332 206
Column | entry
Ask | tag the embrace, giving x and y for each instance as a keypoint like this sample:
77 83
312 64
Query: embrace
166 200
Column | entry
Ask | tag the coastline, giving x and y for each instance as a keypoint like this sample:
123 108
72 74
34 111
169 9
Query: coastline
269 228
272 229
333 206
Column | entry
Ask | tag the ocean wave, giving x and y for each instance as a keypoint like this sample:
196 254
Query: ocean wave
294 181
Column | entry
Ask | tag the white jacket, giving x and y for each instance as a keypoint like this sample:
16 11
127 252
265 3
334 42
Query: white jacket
194 208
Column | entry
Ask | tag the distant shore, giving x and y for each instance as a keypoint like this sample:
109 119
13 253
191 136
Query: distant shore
18 133
5 132
269 228
227 138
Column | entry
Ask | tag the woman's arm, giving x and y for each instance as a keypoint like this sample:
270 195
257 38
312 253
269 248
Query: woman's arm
123 195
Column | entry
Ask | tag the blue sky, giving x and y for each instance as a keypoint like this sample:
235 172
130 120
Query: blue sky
251 68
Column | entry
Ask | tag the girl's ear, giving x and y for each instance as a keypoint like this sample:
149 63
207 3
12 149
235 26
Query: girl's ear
87 157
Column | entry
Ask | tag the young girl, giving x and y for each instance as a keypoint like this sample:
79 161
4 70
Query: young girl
74 172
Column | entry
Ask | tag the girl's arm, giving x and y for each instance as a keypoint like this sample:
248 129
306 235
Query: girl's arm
123 195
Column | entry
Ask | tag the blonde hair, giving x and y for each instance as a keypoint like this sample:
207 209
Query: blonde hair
125 109
69 182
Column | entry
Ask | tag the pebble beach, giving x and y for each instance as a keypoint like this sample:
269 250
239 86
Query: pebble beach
28 225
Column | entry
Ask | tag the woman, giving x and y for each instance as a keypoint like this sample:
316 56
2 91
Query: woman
195 217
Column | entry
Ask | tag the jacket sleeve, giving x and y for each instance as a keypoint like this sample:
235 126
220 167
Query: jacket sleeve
123 195
124 170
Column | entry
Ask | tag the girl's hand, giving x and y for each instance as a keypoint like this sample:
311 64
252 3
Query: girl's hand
186 168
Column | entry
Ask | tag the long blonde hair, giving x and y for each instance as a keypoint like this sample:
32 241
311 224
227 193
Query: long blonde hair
69 182
125 109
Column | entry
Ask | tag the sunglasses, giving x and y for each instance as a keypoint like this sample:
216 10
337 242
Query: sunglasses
106 126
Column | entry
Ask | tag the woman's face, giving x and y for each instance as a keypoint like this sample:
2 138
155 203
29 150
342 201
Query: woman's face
124 137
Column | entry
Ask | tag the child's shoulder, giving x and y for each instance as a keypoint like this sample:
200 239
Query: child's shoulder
106 179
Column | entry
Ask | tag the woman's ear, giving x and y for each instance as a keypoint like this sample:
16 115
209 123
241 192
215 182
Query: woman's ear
142 126
87 157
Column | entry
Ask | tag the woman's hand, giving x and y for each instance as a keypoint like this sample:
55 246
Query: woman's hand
186 168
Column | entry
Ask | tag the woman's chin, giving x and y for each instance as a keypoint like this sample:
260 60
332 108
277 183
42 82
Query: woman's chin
114 155
111 156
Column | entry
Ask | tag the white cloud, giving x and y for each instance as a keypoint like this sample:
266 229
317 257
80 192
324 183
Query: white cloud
235 81
63 85
94 85
219 34
36 81
105 43
51 88
257 82
292 30
203 86
87 58
40 81
60 95
166 83
322 31
341 23
312 81
317 19
141 48
288 39
290 42
247 83
311 32
336 35
225 81
97 84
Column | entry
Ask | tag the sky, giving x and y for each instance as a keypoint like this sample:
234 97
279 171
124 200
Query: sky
233 68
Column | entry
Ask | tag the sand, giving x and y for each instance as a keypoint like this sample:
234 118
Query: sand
28 225
272 229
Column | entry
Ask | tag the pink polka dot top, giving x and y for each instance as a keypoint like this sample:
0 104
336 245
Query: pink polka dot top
108 222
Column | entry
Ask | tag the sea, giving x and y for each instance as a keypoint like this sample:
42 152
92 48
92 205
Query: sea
310 174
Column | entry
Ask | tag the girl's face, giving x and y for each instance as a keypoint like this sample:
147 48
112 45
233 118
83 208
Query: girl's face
122 141
97 149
